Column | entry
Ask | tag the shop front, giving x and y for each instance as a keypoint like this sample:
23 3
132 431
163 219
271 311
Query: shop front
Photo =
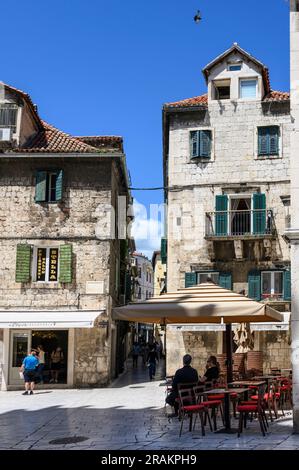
53 333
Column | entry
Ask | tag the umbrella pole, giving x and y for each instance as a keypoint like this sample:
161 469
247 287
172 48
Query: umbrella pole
229 353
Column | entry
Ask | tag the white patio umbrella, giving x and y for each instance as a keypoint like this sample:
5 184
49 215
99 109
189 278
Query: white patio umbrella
204 303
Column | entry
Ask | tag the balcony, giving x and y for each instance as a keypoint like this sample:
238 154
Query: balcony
241 224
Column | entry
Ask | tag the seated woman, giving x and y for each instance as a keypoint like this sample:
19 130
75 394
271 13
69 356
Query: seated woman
212 370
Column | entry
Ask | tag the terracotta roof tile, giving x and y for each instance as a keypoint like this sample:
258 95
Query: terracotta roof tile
201 100
52 140
277 96
111 142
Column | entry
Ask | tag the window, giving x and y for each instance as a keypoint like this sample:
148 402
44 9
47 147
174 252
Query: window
272 284
248 88
200 144
203 277
49 186
139 273
139 293
234 67
8 116
268 141
46 264
222 90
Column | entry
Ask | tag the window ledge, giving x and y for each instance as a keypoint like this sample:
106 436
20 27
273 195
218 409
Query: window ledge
265 157
46 285
195 160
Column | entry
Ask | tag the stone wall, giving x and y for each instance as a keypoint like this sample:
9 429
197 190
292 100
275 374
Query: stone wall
276 350
83 219
200 345
234 162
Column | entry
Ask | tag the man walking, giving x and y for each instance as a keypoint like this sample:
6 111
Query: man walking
29 368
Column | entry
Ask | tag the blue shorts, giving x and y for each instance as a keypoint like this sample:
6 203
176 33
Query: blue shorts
29 375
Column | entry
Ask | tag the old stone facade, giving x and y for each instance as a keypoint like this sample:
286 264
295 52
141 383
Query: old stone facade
61 255
227 170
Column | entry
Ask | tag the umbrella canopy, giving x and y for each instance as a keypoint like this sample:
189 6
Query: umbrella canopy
204 303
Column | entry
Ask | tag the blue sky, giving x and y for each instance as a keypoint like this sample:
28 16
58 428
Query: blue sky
107 66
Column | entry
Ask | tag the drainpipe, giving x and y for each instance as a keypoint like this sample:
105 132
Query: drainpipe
293 233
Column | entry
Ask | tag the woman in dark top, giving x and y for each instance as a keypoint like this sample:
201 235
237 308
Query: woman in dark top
152 358
212 372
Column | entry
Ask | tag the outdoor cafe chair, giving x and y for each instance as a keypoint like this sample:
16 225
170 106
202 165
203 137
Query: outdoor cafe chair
253 407
188 408
213 405
183 386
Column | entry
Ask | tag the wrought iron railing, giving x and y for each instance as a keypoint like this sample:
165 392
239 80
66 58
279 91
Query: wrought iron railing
255 222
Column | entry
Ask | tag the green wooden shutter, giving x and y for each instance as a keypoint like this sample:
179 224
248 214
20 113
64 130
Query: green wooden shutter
65 263
23 263
225 280
254 285
259 213
263 141
40 186
205 143
221 215
190 279
287 286
273 140
194 144
164 250
59 185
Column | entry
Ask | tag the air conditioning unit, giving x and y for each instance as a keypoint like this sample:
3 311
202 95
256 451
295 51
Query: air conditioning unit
133 262
6 134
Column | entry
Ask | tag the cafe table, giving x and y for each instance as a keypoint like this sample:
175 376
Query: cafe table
226 392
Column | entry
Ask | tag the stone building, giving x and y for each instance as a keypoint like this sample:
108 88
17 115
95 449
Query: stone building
143 289
159 267
62 246
227 170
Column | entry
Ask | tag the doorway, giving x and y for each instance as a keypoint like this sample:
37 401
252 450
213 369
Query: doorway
20 344
240 215
50 340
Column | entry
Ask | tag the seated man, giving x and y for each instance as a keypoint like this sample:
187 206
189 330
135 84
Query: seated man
184 375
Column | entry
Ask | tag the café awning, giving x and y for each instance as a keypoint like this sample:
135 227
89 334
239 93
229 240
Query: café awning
204 303
48 319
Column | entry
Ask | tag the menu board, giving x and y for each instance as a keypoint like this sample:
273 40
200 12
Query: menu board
53 265
41 264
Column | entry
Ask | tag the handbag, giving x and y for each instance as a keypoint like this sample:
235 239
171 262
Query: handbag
21 375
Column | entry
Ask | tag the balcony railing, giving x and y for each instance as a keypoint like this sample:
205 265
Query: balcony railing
251 223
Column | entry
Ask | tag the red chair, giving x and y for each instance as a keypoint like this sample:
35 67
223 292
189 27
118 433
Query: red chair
188 408
213 405
253 407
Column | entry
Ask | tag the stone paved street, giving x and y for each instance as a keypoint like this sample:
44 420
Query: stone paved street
129 415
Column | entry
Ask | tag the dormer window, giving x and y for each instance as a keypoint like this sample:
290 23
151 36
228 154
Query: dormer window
8 116
248 88
222 90
234 67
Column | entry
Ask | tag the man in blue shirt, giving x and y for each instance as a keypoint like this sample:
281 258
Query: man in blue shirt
28 368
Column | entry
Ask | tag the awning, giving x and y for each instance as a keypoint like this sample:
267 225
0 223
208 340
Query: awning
48 319
204 303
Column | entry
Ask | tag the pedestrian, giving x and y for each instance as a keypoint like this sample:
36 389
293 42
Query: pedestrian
212 370
28 368
41 365
135 353
187 375
56 362
152 359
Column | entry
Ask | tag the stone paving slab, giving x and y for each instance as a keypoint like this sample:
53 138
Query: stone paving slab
129 415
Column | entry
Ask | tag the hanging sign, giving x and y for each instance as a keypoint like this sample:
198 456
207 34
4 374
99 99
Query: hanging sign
41 264
53 268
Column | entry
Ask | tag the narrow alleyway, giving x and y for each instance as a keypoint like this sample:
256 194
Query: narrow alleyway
130 414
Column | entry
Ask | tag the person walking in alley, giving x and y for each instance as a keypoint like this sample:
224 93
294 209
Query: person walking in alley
28 368
152 359
135 354
186 374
